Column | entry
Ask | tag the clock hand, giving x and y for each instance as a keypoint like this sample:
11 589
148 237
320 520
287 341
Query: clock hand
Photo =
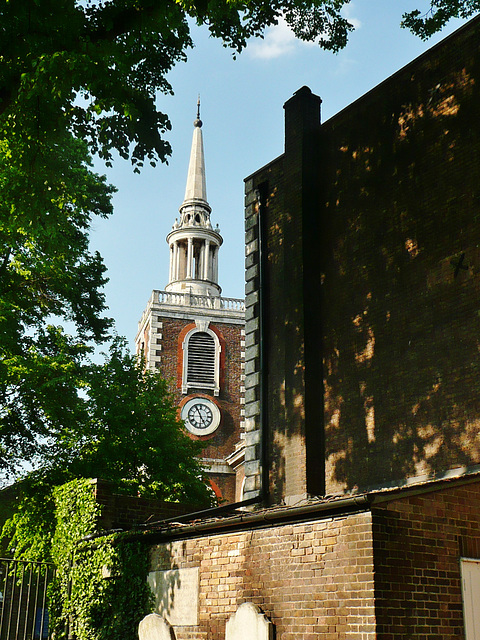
200 415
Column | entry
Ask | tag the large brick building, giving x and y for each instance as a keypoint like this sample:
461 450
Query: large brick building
195 337
362 378
372 219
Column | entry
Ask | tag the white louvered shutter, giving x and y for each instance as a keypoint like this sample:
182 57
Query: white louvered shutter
201 359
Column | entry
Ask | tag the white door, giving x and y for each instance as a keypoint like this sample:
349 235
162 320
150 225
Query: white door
470 573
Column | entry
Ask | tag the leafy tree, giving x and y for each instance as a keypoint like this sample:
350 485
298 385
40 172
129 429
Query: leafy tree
28 529
116 421
100 64
130 434
439 13
49 196
123 428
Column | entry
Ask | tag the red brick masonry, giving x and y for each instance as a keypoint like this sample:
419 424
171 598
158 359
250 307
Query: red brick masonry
389 572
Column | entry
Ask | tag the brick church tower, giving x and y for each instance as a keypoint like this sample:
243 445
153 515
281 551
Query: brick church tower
195 337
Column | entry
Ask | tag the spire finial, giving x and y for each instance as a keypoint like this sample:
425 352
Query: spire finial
198 122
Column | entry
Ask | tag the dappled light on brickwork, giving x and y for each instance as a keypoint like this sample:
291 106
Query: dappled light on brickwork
443 101
372 281
411 361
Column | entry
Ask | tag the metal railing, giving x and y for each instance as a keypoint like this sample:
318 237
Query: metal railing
23 599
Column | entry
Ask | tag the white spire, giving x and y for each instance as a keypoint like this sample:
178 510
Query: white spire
196 188
193 243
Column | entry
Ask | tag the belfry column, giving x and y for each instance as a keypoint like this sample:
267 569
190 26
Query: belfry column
175 261
189 257
170 273
215 266
206 260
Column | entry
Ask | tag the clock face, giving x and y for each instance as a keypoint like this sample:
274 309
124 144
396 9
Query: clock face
201 416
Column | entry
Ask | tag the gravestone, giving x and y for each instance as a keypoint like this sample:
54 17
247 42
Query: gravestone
154 627
176 595
248 623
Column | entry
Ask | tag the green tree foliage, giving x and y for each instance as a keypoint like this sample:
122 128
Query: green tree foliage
28 533
49 196
115 421
99 64
84 603
439 13
130 434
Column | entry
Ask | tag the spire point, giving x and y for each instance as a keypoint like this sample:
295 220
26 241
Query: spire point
198 122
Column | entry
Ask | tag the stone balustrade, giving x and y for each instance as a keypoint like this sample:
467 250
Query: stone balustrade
229 305
193 300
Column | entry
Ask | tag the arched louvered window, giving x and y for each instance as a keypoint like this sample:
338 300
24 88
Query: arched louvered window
201 361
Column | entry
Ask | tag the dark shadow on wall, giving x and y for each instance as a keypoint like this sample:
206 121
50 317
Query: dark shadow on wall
401 287
165 579
291 299
285 364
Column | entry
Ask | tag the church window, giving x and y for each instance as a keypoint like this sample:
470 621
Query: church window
201 361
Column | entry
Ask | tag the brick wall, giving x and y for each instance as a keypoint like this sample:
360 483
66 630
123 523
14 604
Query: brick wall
400 323
223 441
418 545
391 572
280 203
371 240
313 580
121 511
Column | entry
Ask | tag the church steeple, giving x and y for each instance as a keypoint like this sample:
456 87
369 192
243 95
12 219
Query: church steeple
194 244
196 189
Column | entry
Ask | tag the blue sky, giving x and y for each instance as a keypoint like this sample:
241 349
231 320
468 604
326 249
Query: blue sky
242 111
